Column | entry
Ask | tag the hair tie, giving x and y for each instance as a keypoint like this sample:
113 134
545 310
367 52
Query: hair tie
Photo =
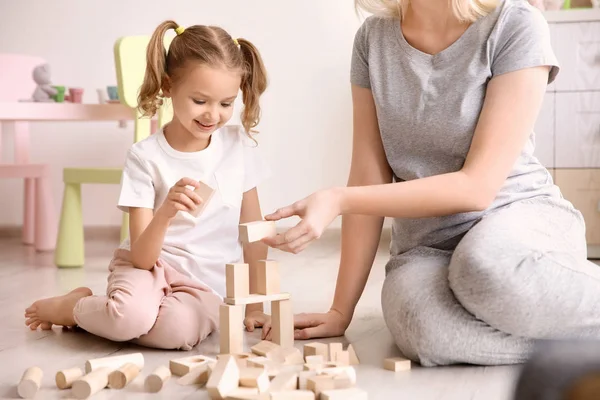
236 42
179 30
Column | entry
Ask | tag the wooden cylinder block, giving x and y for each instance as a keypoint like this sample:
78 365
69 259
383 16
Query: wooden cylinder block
115 362
155 381
65 378
91 383
30 382
123 376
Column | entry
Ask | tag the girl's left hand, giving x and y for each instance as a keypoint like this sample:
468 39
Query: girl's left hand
317 211
258 319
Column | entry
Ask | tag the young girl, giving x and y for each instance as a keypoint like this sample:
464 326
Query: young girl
167 280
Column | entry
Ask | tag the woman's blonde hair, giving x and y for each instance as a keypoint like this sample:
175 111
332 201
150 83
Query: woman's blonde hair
464 10
208 45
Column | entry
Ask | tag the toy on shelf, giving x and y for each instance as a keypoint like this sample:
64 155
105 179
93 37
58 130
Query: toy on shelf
44 92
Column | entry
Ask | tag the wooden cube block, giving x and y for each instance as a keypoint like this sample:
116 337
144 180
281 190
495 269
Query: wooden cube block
206 193
345 394
255 378
231 323
237 278
265 348
284 381
289 356
183 366
283 323
315 360
254 231
267 277
334 349
343 358
353 358
303 379
320 383
224 378
397 364
315 349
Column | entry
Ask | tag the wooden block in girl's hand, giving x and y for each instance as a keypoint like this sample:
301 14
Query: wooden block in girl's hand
206 193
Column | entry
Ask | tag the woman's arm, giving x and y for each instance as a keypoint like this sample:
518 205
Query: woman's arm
511 106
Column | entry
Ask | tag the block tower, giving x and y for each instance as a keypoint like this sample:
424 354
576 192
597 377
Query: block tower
231 314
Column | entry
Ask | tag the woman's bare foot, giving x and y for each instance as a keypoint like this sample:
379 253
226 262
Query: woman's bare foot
54 310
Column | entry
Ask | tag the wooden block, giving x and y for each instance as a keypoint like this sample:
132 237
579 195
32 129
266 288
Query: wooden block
334 349
198 375
237 277
183 366
243 393
284 381
293 395
315 349
265 348
157 379
256 299
315 360
282 323
206 193
267 277
353 358
255 378
91 383
342 372
345 394
115 362
303 379
242 358
123 376
224 378
30 383
320 383
289 356
231 334
254 231
343 358
65 378
397 364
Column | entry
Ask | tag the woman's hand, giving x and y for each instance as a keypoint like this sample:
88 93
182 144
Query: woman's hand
258 319
317 211
180 198
330 324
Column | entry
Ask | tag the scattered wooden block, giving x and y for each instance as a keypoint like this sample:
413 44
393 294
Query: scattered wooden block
353 358
282 323
206 193
65 378
255 378
344 394
284 381
316 349
397 364
267 277
243 393
315 360
341 372
293 395
157 379
237 278
320 383
254 231
198 375
256 298
224 378
231 320
265 348
30 382
303 379
183 366
241 358
121 377
288 356
91 383
115 362
342 358
334 349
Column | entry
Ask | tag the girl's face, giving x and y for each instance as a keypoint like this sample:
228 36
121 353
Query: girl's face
203 98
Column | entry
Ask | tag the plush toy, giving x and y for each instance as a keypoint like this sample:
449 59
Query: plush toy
44 91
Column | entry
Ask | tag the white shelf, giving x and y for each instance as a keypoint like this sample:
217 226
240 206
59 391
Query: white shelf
574 15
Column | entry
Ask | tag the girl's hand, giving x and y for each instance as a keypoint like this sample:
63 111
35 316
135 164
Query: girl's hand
180 198
317 211
258 319
330 324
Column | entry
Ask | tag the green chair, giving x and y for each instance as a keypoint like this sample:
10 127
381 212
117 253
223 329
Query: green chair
130 63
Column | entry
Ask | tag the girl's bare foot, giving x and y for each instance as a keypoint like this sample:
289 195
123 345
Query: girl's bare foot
54 310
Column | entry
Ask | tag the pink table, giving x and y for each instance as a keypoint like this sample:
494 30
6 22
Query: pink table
39 225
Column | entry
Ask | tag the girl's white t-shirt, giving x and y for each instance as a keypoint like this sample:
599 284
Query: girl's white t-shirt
231 164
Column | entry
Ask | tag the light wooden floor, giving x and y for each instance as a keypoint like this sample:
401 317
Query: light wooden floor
309 277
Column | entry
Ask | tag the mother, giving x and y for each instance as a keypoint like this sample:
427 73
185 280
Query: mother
486 255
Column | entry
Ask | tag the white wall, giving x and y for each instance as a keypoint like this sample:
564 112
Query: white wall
306 126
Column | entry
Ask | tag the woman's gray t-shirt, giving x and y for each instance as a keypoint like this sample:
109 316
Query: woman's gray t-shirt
428 105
